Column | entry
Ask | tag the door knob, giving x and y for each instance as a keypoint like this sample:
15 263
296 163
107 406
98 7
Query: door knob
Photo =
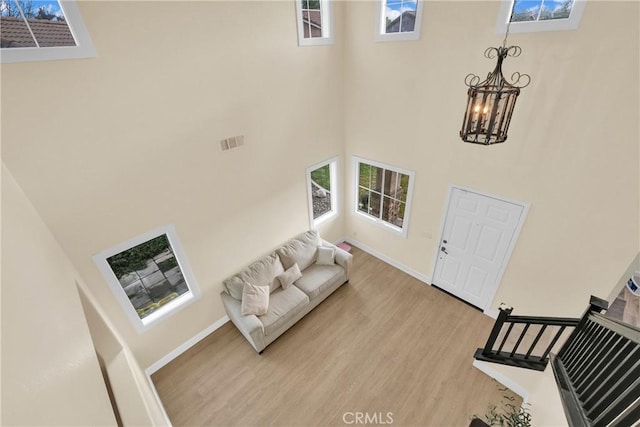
444 241
443 249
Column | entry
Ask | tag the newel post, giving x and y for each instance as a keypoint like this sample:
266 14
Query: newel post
503 314
597 304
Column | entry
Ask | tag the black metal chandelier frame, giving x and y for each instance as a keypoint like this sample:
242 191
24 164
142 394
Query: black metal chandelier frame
490 103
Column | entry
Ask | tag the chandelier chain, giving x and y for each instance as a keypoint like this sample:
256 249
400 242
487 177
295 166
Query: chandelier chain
506 34
490 102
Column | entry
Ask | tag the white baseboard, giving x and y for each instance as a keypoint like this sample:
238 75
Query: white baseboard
157 396
411 272
491 313
185 346
485 367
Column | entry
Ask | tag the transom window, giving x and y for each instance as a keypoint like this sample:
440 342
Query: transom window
541 10
34 30
149 275
399 20
314 22
383 193
540 15
322 190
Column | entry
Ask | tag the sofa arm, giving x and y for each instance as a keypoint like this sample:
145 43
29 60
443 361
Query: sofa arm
249 326
343 258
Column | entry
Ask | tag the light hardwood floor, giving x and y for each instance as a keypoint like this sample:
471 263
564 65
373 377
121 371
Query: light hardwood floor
383 343
626 307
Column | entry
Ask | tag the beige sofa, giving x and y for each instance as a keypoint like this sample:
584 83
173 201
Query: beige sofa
285 306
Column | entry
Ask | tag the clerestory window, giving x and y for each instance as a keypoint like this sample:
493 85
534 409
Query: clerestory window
539 15
315 26
399 20
41 30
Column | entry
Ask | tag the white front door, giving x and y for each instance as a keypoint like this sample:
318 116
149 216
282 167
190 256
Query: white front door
478 234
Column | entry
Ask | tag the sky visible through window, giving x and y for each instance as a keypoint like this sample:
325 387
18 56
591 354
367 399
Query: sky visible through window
34 9
395 13
541 10
33 24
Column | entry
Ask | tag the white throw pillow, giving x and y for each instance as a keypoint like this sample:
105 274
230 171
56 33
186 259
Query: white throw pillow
326 256
289 276
301 250
255 299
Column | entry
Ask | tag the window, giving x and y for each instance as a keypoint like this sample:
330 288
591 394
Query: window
314 22
150 276
322 190
40 30
539 15
383 193
399 20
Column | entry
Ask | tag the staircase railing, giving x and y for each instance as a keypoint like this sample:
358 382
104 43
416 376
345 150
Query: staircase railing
597 368
501 348
598 373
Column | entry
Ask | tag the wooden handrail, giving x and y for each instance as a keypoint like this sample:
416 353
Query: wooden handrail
529 358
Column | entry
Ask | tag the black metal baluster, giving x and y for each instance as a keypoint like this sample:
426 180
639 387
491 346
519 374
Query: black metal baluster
535 341
524 332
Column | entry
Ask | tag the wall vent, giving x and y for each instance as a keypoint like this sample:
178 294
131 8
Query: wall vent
232 142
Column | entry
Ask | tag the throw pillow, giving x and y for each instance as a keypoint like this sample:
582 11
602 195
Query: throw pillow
263 272
289 276
255 299
300 250
326 256
233 286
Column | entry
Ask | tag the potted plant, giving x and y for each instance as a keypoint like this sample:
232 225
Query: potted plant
507 415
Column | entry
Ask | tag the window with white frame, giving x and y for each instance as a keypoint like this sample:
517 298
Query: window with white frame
539 15
314 22
383 193
41 30
149 276
322 188
398 20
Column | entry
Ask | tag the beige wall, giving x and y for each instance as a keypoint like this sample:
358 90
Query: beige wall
538 390
572 151
131 389
112 147
50 373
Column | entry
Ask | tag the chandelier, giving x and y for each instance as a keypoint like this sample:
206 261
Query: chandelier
490 102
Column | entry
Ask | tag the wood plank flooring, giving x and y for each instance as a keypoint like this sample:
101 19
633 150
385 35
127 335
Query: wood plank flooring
626 307
383 343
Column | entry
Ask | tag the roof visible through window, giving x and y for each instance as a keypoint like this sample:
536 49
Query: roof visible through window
541 10
33 23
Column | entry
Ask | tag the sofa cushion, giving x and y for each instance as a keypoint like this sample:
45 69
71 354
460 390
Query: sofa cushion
283 305
326 255
317 278
255 300
233 287
261 273
300 250
289 276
